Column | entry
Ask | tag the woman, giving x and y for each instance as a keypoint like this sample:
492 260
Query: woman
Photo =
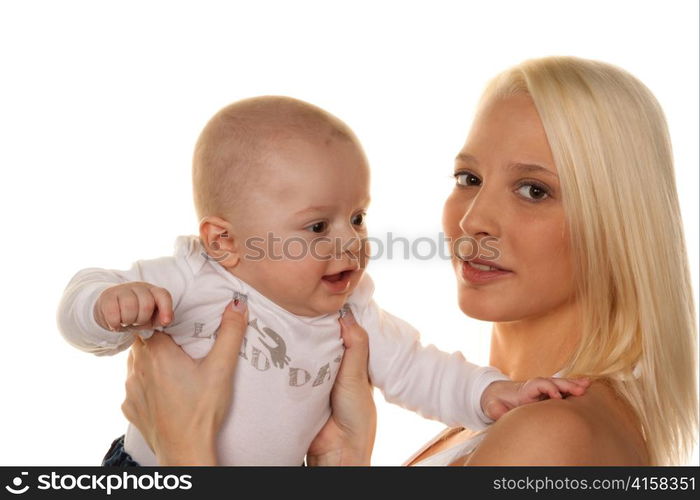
567 178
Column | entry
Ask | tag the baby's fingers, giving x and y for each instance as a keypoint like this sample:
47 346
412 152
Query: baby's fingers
109 312
128 308
575 387
145 308
164 303
541 388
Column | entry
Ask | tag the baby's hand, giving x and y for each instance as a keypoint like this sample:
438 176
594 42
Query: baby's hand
503 395
133 306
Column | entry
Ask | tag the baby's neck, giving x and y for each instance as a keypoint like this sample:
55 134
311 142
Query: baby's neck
249 279
538 346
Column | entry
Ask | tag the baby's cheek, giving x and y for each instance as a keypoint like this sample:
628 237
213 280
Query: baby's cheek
321 248
295 249
308 271
365 254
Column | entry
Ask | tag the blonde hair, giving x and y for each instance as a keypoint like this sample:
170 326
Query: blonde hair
610 142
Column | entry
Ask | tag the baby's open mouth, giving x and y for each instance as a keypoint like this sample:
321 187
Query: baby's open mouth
338 282
337 276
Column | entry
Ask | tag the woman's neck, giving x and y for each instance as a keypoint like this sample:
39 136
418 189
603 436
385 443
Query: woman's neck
537 346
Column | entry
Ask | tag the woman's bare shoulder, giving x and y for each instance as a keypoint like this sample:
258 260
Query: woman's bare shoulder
587 430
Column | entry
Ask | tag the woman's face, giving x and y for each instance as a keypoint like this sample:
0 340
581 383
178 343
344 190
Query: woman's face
507 200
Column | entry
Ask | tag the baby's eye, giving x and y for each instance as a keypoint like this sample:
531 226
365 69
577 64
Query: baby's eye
533 192
359 219
318 227
466 179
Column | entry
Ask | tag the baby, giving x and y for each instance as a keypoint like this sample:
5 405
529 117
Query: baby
281 188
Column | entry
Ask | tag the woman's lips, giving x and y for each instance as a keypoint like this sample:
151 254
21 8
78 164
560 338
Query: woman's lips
339 282
474 275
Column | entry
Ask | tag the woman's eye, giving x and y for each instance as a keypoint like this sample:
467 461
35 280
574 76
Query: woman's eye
466 179
533 192
359 219
318 227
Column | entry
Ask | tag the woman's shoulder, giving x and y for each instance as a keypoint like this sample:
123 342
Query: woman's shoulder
597 428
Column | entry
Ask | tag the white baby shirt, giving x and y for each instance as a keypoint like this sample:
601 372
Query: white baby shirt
287 363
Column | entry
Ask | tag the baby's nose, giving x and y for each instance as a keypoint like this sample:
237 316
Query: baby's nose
350 242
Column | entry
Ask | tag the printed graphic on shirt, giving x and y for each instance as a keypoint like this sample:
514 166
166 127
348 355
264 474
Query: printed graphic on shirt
278 352
299 376
264 348
198 331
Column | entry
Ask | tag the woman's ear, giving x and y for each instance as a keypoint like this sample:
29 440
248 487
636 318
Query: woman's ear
219 241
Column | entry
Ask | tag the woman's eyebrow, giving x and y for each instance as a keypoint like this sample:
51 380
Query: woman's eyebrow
523 167
466 158
530 167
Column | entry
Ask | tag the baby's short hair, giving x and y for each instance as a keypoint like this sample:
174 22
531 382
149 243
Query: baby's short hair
231 150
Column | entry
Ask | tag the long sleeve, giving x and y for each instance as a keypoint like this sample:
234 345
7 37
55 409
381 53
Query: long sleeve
433 383
75 317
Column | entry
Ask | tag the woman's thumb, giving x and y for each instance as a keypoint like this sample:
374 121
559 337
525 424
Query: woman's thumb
224 352
356 343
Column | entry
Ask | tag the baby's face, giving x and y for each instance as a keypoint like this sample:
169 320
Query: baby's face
304 232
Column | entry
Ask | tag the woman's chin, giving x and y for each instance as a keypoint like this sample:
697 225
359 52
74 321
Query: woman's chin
495 310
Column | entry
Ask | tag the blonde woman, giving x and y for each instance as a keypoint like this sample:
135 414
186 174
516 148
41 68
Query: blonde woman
567 173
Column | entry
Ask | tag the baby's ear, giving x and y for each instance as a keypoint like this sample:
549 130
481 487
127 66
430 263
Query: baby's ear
218 240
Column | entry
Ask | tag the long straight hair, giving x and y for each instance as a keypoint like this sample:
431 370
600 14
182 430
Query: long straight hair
612 150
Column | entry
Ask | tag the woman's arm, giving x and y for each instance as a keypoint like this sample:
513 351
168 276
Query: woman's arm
179 403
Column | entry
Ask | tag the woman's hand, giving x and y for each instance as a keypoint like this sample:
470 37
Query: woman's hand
179 403
348 436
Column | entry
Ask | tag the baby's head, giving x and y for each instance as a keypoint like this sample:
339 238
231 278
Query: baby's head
281 188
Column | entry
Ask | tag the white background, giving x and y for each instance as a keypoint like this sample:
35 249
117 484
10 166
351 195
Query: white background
101 103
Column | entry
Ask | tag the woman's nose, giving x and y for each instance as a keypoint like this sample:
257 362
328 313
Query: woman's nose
481 215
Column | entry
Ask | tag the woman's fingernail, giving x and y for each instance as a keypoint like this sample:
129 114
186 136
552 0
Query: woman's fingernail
346 315
239 302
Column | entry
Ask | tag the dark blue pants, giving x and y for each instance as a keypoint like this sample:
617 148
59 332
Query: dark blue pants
117 456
